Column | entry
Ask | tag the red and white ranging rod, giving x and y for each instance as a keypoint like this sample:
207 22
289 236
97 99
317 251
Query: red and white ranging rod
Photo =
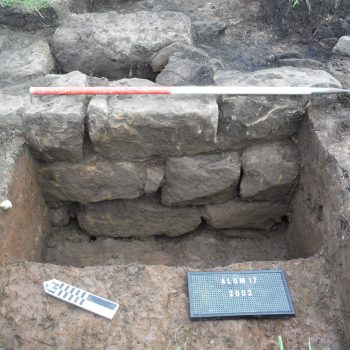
184 90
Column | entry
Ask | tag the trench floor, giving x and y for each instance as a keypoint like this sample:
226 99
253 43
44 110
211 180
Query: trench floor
204 248
153 313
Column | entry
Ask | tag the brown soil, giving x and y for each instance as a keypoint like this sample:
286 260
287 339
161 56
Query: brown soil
154 302
153 310
204 248
27 215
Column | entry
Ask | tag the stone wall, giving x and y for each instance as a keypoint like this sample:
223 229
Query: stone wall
149 165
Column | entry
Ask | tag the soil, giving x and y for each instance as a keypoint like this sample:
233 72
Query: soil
204 248
29 20
148 277
153 310
321 205
324 18
28 215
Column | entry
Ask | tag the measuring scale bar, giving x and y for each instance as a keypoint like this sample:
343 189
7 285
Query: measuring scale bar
81 298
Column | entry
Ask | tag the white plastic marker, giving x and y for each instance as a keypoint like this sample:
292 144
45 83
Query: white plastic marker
184 90
81 298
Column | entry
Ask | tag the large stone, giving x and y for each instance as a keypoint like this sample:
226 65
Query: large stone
59 216
343 46
270 171
300 63
28 61
95 180
201 179
11 109
249 215
133 127
339 67
182 51
184 72
249 118
112 43
208 29
138 217
55 124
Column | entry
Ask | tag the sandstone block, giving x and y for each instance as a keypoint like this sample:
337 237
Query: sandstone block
113 43
245 215
184 72
59 216
141 126
201 179
343 46
55 124
270 171
95 180
139 217
247 118
181 51
209 28
31 60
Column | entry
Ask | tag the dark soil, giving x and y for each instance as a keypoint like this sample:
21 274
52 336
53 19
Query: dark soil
28 20
325 19
204 248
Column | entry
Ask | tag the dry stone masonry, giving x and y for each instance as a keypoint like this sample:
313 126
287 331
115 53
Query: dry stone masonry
141 165
270 173
95 180
138 127
201 179
55 125
252 118
139 217
151 165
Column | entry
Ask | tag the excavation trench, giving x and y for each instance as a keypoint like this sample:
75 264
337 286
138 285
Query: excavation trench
123 195
54 232
114 246
114 193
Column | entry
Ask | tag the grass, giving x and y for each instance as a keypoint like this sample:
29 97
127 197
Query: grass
27 5
295 3
298 2
280 342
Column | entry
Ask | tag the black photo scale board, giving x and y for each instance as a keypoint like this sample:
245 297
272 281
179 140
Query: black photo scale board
258 293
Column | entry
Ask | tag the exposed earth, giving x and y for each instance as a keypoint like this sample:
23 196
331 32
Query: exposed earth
122 196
